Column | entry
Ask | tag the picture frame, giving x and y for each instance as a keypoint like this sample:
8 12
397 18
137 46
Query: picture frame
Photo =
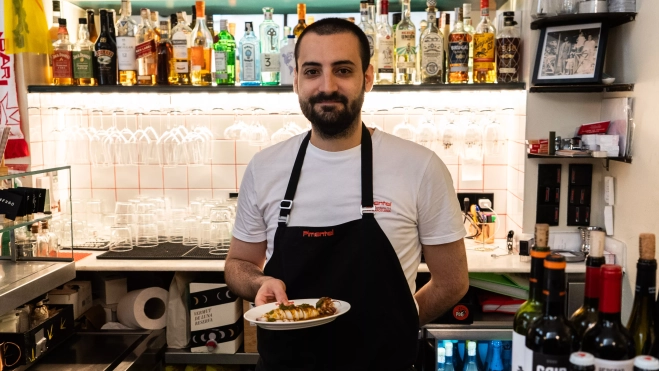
570 54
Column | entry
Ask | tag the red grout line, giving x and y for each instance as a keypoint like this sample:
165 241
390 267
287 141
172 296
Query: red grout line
235 166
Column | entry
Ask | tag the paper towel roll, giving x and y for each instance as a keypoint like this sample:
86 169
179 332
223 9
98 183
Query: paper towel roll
146 308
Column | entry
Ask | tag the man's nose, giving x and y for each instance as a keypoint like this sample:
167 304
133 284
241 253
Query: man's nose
329 84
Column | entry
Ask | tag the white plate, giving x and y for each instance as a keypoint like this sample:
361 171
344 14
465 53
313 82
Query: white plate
256 312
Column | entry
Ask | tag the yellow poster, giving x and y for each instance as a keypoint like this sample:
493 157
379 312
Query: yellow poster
25 27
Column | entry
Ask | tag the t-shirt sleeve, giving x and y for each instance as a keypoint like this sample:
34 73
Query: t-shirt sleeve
249 225
440 217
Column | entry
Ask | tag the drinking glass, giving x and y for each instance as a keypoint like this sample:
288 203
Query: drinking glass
426 131
234 131
176 225
124 208
147 235
473 137
121 239
220 237
405 130
191 230
205 241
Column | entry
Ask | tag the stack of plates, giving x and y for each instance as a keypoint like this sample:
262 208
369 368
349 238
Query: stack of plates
622 5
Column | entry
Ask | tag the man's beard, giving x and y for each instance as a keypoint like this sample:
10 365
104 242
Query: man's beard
332 122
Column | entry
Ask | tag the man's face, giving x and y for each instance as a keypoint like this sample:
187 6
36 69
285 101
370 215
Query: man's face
330 83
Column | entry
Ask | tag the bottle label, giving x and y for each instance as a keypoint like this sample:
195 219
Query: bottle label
371 44
180 45
606 365
126 53
405 43
386 55
544 362
287 64
248 64
519 352
220 61
432 54
270 39
145 49
197 57
82 64
104 59
459 56
62 64
484 52
269 62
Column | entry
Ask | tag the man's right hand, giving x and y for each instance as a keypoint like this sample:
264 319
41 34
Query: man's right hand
271 290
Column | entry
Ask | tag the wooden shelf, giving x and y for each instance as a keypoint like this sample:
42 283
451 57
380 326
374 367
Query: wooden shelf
611 19
581 88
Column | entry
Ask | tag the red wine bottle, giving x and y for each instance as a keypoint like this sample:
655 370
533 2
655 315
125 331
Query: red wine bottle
641 322
551 337
608 340
586 315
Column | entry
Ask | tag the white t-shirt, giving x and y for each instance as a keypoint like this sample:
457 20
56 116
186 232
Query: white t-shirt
412 190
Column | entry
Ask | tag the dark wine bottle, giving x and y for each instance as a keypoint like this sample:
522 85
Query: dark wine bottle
551 338
105 54
582 361
586 315
641 321
532 308
608 340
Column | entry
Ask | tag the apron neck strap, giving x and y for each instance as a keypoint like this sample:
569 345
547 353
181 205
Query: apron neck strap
367 209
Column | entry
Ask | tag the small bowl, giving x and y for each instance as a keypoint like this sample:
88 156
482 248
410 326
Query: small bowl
608 80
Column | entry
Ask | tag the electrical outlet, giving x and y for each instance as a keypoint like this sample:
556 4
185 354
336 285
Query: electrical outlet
474 198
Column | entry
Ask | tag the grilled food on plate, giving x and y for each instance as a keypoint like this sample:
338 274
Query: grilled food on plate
291 313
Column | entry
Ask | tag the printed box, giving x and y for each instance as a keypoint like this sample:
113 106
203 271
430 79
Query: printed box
216 322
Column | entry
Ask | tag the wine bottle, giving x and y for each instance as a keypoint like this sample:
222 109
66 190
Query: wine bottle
448 364
441 358
532 308
641 322
470 364
582 361
586 315
608 340
497 362
458 363
646 363
551 338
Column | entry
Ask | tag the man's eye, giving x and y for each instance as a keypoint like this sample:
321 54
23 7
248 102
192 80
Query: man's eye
311 72
344 71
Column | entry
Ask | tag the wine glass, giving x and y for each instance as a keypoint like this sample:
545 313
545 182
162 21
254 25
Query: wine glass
426 130
405 130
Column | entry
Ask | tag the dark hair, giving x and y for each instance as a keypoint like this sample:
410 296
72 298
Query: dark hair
333 26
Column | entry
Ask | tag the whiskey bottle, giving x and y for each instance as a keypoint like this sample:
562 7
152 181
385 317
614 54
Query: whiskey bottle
368 28
484 49
145 50
155 24
469 28
508 50
458 68
432 49
269 33
385 47
210 24
181 45
91 26
225 56
126 29
83 57
52 31
105 53
201 49
250 71
301 19
166 71
62 57
405 47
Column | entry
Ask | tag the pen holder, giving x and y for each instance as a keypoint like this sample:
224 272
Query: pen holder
483 232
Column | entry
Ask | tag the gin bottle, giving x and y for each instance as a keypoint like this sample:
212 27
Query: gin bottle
181 45
250 64
405 48
432 49
145 50
469 28
287 60
269 32
225 56
369 29
126 28
384 74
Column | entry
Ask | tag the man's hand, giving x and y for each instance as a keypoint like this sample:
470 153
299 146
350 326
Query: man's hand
271 290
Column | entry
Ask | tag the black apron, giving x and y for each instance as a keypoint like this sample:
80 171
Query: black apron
353 262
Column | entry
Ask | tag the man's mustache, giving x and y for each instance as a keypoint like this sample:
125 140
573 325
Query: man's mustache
334 97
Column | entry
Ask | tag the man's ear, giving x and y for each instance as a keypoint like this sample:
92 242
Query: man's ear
295 81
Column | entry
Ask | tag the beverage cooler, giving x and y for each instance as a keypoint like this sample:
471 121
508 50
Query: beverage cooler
446 347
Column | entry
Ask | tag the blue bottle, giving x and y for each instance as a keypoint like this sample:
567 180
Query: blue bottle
441 358
497 362
470 363
250 58
507 355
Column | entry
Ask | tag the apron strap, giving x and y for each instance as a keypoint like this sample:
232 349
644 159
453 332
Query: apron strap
287 203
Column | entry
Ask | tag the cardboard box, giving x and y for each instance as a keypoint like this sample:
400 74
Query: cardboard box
84 289
250 331
65 296
111 287
216 322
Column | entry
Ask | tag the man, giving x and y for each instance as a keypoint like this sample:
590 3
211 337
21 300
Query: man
563 55
589 59
345 212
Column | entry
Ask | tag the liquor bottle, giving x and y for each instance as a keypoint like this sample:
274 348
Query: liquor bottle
445 26
469 28
91 26
441 358
405 48
586 316
111 28
269 33
484 48
166 71
201 50
211 27
471 365
497 362
155 24
62 58
641 322
126 41
432 49
225 56
458 66
507 354
145 50
53 240
368 28
301 16
287 60
646 363
448 364
533 307
194 17
372 16
608 340
385 47
173 21
43 240
458 363
508 50
582 361
105 53
54 27
250 69
551 337
395 20
181 44
83 57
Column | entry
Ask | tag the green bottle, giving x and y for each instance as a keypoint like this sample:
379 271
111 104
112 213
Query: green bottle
225 56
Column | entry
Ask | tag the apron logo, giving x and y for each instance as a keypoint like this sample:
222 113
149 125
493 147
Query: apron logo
382 206
318 234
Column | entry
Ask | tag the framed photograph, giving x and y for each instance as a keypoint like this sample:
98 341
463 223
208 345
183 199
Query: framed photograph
572 54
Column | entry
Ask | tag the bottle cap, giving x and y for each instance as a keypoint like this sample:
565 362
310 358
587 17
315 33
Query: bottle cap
291 36
646 244
61 21
145 13
466 10
449 348
155 15
248 26
90 11
223 24
471 348
458 14
82 20
542 235
582 359
384 7
301 10
646 363
200 8
555 261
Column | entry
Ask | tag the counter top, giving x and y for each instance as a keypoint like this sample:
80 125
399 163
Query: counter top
478 261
